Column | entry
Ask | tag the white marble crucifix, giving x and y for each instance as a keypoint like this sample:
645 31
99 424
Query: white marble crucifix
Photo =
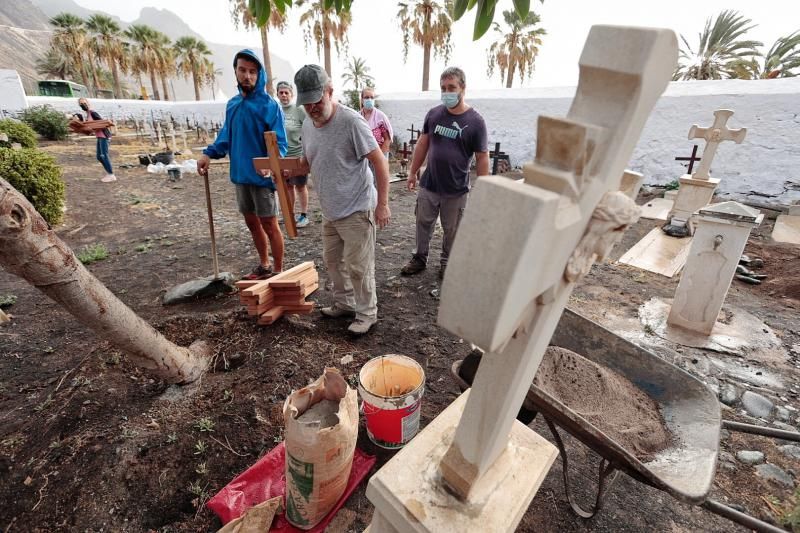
520 249
717 133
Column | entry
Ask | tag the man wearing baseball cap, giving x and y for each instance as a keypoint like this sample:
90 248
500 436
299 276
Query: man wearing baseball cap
337 145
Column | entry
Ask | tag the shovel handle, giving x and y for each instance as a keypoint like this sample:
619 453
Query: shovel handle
211 225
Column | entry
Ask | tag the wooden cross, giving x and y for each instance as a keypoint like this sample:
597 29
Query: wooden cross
714 135
690 159
497 156
276 165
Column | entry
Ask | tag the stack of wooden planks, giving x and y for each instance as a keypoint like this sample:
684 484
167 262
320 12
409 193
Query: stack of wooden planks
286 292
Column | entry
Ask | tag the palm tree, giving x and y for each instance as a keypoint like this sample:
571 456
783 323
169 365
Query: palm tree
241 13
779 62
719 50
146 57
357 73
517 48
56 64
324 25
427 23
210 75
191 54
165 57
70 36
107 39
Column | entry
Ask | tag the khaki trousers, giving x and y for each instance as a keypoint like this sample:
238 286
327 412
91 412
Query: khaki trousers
348 250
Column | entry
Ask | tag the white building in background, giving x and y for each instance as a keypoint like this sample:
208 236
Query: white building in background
766 163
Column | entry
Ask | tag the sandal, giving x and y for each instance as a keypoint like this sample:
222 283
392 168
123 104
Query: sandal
260 272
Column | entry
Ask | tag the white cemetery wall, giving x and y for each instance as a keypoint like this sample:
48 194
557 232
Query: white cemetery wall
765 162
12 94
204 112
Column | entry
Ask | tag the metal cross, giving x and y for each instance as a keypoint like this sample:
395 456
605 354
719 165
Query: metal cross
497 156
690 159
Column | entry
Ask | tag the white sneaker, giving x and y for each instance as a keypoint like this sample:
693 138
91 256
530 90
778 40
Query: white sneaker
360 326
108 178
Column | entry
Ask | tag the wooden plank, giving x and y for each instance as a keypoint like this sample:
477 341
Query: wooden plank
287 163
271 141
247 283
658 253
271 316
264 284
307 277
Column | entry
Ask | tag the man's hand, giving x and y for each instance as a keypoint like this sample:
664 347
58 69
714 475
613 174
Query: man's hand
411 182
382 215
202 165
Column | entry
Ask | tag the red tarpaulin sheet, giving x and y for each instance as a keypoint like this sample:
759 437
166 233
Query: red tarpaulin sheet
267 479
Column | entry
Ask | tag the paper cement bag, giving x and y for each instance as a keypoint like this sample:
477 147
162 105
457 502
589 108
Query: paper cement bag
320 435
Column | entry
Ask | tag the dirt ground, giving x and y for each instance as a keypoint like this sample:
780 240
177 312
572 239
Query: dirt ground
89 442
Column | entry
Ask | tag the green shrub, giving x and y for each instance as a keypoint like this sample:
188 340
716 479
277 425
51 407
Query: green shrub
94 252
36 175
18 133
46 121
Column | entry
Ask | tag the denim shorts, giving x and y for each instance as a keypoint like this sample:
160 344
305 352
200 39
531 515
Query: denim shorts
257 200
297 181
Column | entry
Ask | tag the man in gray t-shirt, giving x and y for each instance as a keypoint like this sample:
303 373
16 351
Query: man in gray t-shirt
337 144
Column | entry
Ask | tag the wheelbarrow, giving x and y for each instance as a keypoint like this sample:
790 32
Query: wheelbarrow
684 470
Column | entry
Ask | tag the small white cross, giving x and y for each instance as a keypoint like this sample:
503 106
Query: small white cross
714 135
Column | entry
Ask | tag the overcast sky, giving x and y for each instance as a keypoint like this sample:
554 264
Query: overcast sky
375 34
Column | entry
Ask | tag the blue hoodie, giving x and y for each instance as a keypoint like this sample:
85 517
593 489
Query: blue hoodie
247 117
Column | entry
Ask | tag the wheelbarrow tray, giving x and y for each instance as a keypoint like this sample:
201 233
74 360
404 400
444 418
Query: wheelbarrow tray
691 411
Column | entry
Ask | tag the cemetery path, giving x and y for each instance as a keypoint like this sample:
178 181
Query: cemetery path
90 442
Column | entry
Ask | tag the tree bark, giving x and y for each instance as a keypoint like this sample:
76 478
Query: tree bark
426 65
164 86
196 81
326 45
93 65
267 59
115 72
33 251
154 84
510 78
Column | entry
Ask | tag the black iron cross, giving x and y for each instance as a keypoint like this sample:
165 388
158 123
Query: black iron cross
691 159
497 156
413 133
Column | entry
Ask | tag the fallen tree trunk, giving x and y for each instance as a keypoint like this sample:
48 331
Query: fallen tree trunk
33 251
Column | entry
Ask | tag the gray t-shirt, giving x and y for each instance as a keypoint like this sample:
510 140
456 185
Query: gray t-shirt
293 117
336 153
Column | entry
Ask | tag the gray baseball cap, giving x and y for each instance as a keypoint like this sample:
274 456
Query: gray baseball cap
310 81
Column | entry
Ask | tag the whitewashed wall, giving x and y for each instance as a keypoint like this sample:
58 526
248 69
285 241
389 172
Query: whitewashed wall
768 161
202 112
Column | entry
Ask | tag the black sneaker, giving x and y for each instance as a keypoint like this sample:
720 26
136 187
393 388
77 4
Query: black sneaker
415 266
259 273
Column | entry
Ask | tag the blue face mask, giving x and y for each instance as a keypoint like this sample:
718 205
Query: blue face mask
450 99
369 103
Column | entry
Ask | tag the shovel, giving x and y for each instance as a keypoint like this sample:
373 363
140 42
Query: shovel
219 283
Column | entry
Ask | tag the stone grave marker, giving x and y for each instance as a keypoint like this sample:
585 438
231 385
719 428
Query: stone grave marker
505 295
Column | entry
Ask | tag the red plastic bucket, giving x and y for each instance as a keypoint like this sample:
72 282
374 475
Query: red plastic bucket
391 388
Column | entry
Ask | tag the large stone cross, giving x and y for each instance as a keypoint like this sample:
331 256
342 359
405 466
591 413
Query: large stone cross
505 291
714 135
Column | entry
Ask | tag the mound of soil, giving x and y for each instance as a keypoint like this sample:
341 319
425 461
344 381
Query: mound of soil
607 400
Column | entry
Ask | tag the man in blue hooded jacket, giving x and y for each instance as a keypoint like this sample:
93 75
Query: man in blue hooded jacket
247 116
